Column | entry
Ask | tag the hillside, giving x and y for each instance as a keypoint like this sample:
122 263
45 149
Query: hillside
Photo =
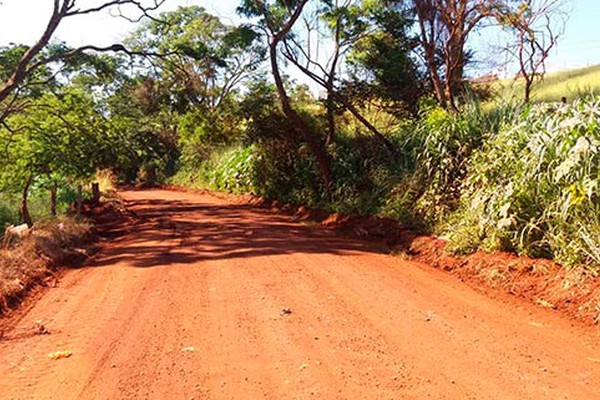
571 84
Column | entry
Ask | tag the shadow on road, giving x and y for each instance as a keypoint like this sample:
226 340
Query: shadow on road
178 232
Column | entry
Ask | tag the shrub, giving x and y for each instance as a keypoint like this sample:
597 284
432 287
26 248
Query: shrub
533 188
447 141
32 258
234 170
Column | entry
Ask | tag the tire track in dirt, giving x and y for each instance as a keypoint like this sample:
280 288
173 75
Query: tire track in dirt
190 304
459 341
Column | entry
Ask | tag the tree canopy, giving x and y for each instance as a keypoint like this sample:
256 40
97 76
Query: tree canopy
185 84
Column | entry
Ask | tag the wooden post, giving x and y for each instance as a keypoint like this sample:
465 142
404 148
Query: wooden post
24 207
79 199
95 192
53 190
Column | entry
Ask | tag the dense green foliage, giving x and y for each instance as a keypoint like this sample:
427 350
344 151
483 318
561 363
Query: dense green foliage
533 188
381 63
418 185
514 177
204 111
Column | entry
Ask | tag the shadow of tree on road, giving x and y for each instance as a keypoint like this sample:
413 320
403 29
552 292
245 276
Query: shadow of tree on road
180 232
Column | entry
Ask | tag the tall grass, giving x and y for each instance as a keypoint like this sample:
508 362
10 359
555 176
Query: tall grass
533 188
571 84
510 177
229 169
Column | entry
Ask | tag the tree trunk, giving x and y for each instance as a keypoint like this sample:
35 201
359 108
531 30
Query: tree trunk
428 35
436 80
95 192
297 122
330 86
79 199
528 85
53 190
455 65
24 207
330 121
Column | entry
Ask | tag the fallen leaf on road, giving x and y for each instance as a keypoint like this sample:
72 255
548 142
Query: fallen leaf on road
57 355
40 328
544 303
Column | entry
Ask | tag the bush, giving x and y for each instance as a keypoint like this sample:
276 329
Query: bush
447 141
533 188
228 169
25 262
8 213
235 170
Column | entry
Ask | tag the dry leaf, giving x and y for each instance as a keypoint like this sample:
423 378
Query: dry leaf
57 355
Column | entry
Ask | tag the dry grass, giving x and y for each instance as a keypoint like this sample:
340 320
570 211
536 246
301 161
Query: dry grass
27 261
572 84
106 179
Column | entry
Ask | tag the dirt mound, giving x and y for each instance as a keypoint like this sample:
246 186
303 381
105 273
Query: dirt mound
575 291
37 259
109 220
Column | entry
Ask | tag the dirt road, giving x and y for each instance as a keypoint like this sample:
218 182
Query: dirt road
206 300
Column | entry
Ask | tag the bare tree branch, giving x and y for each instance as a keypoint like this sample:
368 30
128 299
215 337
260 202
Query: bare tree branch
63 9
537 27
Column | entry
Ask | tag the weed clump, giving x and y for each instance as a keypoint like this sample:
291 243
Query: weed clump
30 259
533 188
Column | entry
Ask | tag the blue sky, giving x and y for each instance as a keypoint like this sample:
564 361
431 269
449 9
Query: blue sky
580 45
22 21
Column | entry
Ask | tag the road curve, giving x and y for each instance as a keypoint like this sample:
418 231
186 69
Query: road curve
207 300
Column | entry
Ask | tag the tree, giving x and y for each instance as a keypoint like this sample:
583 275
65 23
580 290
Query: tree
536 26
278 17
61 133
195 84
382 62
207 60
444 26
143 127
32 58
348 25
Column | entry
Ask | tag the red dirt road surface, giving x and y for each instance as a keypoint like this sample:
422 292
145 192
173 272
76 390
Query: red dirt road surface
207 300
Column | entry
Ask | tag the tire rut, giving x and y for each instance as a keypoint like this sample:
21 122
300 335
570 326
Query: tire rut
208 300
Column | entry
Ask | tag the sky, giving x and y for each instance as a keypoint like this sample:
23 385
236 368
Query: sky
23 21
579 46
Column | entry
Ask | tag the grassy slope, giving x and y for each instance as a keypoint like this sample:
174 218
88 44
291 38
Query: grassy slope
572 84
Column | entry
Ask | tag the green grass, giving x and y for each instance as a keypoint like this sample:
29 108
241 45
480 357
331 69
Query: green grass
532 187
571 84
39 205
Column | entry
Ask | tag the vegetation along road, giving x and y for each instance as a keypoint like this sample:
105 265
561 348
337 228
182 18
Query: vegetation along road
208 300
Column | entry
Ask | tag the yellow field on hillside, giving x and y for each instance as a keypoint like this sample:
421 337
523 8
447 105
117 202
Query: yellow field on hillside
570 84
